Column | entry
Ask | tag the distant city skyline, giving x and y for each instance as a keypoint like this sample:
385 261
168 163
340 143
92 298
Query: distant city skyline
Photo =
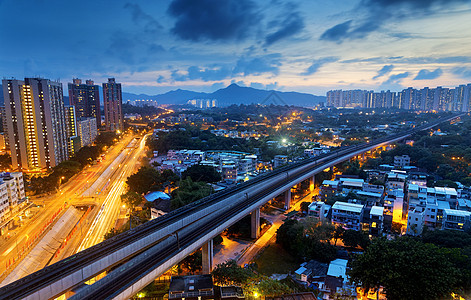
305 46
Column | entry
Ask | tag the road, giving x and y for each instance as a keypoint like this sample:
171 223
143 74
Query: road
109 210
24 238
277 221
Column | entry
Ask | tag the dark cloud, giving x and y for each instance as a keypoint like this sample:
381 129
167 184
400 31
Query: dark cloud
426 74
139 17
244 66
412 60
464 72
319 63
199 20
378 12
160 79
384 70
257 65
394 79
336 33
291 24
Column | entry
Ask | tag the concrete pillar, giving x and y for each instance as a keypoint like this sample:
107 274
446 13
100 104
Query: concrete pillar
255 229
208 257
312 182
288 199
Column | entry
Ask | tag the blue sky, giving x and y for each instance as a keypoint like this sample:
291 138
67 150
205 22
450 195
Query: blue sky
308 46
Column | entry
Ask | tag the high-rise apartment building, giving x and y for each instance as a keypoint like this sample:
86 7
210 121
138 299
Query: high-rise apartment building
427 99
87 131
37 130
85 98
113 102
5 126
73 139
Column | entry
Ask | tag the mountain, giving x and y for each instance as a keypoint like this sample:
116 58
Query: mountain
234 94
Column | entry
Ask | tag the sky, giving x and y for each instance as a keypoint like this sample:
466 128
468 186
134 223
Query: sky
308 46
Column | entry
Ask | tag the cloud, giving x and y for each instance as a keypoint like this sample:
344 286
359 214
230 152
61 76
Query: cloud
336 33
139 17
160 79
426 74
384 70
319 63
463 72
394 79
200 20
257 65
376 13
246 65
291 24
211 73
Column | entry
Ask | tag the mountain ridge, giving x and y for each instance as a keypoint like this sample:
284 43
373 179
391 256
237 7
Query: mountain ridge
233 94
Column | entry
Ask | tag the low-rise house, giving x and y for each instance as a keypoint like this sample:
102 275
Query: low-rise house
376 220
347 215
194 287
456 219
317 210
401 161
415 222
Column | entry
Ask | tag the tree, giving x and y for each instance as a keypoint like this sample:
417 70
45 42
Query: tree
188 192
353 239
405 268
106 138
144 180
338 233
202 173
305 206
5 162
271 287
229 273
309 240
131 199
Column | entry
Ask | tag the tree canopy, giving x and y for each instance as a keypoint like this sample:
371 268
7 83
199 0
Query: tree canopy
405 268
202 173
188 192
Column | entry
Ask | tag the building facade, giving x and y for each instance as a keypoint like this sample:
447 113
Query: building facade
85 98
87 131
37 132
113 102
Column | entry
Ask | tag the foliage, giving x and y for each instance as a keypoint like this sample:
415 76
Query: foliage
145 110
230 272
307 240
5 162
305 206
188 192
105 138
149 179
193 262
243 227
86 155
202 173
354 239
113 232
447 238
405 268
131 199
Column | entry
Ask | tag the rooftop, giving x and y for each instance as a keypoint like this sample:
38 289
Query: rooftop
348 206
377 211
338 268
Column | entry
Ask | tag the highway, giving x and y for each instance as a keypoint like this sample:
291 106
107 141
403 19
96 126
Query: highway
109 210
154 245
24 238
